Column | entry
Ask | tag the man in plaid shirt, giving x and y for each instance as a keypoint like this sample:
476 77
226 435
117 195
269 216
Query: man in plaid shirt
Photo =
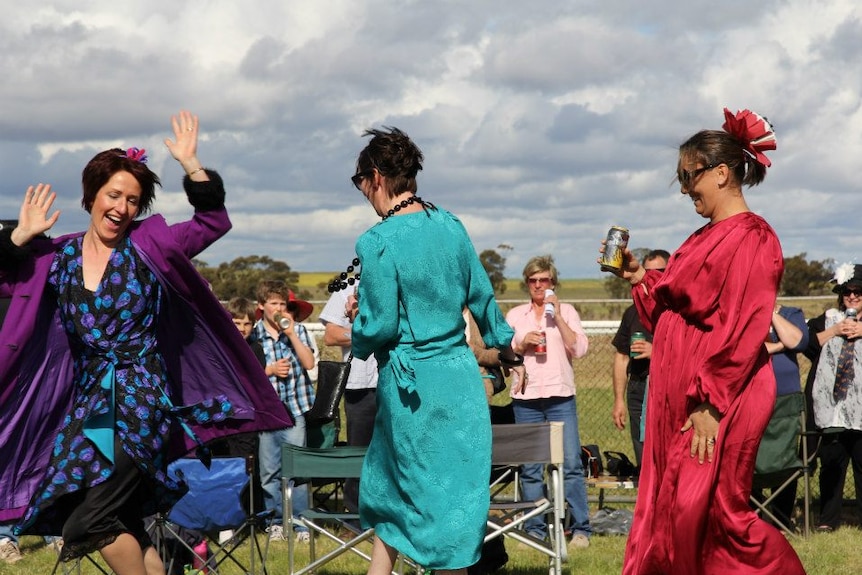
289 356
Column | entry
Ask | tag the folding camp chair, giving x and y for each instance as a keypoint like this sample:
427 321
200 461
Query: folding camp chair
216 501
779 462
300 464
525 443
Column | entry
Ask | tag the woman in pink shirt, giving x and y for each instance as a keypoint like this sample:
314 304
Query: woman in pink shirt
549 342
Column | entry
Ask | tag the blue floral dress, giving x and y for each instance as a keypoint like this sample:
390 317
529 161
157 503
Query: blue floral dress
121 386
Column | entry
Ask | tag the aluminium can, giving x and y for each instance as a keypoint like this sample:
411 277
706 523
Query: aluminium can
636 336
615 244
541 347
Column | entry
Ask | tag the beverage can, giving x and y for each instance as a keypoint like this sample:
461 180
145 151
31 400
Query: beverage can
541 347
549 307
615 244
636 336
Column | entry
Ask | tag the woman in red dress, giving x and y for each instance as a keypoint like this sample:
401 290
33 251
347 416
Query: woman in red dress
711 388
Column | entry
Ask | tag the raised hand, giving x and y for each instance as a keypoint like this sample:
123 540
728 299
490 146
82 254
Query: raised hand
33 218
184 146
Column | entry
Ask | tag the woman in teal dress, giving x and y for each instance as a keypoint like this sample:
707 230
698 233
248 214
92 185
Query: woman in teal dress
425 479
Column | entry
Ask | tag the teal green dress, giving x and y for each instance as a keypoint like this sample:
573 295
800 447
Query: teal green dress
425 480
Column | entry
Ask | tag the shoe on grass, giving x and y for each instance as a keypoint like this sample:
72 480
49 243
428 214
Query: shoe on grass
9 551
276 533
303 536
579 541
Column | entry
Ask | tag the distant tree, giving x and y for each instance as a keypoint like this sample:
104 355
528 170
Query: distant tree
803 277
618 288
241 276
495 266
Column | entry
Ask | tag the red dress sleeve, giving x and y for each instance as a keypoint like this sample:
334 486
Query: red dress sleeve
723 281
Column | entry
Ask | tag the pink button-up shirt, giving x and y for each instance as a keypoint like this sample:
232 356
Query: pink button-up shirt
551 375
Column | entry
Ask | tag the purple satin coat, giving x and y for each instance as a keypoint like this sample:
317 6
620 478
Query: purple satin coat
203 350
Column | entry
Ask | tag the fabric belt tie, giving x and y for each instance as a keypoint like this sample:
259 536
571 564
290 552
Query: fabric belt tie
100 428
401 365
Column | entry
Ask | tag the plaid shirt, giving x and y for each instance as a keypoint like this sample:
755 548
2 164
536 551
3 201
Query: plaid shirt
295 390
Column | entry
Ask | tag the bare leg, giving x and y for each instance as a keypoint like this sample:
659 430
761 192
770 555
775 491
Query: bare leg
153 562
125 557
382 558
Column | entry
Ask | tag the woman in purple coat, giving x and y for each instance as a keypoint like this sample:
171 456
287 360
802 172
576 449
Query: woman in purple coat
107 357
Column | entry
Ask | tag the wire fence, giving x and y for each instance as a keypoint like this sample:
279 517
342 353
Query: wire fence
595 400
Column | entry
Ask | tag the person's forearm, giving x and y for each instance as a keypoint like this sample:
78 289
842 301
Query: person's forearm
621 362
303 352
337 335
827 334
788 334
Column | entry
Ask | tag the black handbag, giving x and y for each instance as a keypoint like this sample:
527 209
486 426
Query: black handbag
331 382
620 465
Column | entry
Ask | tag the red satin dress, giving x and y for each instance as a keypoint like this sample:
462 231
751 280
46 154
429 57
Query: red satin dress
710 312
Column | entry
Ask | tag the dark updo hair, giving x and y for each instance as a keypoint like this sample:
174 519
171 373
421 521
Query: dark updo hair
102 168
714 147
392 153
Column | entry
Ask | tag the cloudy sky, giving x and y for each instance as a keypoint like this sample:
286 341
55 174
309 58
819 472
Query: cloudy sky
542 122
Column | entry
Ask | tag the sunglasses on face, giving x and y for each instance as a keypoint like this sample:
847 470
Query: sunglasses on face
359 177
856 292
542 281
687 177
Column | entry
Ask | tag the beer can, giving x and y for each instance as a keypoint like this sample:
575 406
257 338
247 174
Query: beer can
541 347
615 244
636 336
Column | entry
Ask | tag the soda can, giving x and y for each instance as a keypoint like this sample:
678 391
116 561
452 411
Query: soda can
615 244
541 347
636 336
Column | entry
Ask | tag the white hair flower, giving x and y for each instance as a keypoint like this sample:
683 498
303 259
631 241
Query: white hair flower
843 273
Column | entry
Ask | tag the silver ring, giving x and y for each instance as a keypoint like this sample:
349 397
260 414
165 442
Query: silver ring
710 441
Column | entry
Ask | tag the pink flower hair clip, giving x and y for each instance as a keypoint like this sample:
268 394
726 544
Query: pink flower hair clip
754 131
137 154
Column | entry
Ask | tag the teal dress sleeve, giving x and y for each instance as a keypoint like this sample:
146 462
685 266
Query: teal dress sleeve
496 331
376 325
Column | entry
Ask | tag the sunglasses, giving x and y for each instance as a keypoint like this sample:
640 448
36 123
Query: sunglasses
687 177
852 291
534 281
357 178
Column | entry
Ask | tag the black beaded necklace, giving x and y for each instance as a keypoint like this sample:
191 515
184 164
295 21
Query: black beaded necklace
344 279
404 203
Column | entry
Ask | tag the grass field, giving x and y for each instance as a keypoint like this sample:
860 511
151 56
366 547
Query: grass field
822 554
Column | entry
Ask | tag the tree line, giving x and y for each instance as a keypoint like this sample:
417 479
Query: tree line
240 277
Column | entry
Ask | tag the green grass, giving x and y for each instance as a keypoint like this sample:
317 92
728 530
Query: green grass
821 554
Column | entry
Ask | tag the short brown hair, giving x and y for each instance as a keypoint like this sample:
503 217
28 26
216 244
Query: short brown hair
102 168
394 155
268 288
239 307
541 264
